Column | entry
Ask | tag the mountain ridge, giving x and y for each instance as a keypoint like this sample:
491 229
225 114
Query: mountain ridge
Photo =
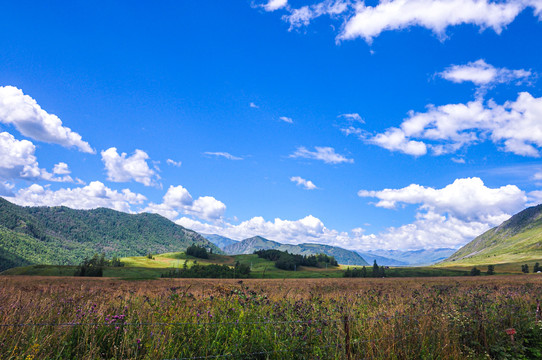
248 246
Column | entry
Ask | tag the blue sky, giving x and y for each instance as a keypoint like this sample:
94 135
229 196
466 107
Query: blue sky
403 124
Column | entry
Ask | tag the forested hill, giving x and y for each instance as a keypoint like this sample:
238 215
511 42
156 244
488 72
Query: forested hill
60 235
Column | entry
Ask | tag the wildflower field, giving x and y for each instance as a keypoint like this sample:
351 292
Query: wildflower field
412 318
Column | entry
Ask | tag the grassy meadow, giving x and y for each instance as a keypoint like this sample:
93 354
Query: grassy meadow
141 267
412 318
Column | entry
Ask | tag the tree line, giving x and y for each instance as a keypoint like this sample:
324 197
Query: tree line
376 272
286 261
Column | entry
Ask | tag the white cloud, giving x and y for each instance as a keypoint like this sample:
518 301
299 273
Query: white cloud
395 140
304 15
307 184
61 169
173 163
325 154
515 125
223 154
95 195
481 73
430 230
178 200
31 120
254 106
450 216
446 217
273 5
353 117
287 119
351 130
368 22
435 15
123 168
458 160
465 199
18 160
307 229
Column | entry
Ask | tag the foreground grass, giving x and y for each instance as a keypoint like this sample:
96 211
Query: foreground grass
444 318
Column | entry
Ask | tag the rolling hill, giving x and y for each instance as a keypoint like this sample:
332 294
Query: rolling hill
60 235
517 239
248 246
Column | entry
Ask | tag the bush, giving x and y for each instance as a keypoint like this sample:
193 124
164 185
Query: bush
491 269
475 272
91 267
197 251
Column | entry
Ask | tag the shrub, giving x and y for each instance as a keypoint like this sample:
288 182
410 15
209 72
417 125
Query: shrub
197 251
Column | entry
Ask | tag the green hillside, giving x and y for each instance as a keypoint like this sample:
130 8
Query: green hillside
515 240
60 235
248 246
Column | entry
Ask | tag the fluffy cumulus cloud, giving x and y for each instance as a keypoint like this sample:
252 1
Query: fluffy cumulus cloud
273 5
306 230
306 184
224 155
466 199
92 196
17 158
515 126
61 169
481 73
31 120
124 168
368 22
325 154
429 230
435 15
449 216
446 217
178 200
18 161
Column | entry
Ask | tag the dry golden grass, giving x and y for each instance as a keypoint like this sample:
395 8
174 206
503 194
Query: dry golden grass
446 318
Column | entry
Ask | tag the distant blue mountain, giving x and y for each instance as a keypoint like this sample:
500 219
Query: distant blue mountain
381 260
411 257
220 241
248 246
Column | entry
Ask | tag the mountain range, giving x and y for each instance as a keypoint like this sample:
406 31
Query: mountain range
60 235
220 241
407 258
248 246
